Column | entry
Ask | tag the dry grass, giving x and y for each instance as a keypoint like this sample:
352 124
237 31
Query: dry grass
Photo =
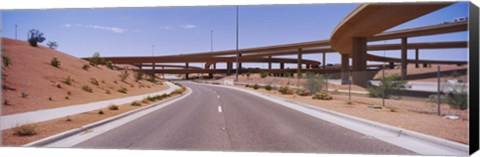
30 71
455 130
55 126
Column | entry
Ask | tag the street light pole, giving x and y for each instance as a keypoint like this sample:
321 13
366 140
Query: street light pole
236 69
211 40
153 50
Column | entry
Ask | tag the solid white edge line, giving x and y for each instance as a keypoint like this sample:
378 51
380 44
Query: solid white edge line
414 141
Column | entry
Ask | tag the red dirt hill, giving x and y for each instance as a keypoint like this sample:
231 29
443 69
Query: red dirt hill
31 73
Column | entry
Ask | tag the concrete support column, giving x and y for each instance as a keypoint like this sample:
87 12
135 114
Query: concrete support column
324 62
140 66
299 63
391 65
186 70
345 67
416 59
239 66
359 61
229 68
307 66
282 66
269 63
404 59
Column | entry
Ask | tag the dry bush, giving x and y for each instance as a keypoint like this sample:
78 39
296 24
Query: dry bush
25 130
285 90
113 107
322 96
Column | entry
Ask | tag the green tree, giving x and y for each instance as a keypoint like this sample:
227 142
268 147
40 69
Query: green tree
35 37
387 87
96 59
52 44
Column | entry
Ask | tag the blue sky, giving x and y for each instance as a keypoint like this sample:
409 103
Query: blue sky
181 30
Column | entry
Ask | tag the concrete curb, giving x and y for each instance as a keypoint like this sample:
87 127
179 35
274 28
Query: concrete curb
63 135
439 143
11 121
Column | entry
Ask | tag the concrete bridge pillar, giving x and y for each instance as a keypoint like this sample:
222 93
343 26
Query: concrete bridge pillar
345 68
359 61
186 70
416 59
404 59
229 68
140 66
153 69
282 66
391 65
324 62
299 63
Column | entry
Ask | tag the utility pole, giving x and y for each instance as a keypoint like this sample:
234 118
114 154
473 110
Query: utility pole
16 31
236 69
153 50
211 40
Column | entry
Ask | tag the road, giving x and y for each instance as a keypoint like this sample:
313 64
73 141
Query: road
216 118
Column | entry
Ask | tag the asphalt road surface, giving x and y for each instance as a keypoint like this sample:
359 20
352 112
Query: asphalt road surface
215 118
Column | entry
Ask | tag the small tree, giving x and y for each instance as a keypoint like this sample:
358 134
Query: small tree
315 83
52 44
138 76
109 64
388 86
458 98
35 37
96 59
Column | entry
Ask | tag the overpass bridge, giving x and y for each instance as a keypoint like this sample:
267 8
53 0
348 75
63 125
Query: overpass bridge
367 23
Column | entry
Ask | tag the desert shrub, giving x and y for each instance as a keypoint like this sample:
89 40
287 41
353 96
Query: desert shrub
68 80
458 98
248 75
50 98
86 67
150 98
52 44
124 75
123 90
255 86
303 92
108 92
136 103
5 61
87 88
100 112
138 76
113 107
35 37
247 85
109 64
68 119
268 87
24 94
285 90
287 74
25 130
95 60
67 98
94 81
6 102
388 86
115 81
178 91
263 74
314 82
183 88
69 93
322 96
55 62
58 85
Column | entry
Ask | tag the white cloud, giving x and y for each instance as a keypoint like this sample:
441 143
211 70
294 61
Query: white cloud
111 29
188 26
165 27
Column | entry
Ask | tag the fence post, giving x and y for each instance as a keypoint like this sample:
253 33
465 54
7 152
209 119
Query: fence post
438 90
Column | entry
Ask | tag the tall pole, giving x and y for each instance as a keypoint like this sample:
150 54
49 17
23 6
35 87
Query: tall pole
236 69
211 40
15 31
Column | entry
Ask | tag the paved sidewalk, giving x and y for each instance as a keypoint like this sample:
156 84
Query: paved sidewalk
10 121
